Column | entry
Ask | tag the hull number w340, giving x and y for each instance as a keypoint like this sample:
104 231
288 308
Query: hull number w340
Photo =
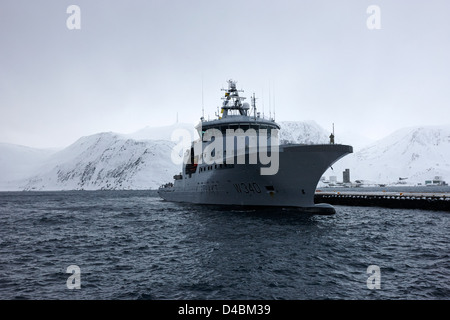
247 187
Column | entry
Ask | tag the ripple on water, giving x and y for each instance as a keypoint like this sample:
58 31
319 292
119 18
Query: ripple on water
130 245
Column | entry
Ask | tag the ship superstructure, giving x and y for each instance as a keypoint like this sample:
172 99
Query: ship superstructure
238 161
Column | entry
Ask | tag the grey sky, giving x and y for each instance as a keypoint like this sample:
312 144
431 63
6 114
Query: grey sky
138 63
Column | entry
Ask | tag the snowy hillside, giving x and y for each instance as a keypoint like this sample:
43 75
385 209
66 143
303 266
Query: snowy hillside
19 162
142 160
417 153
161 133
307 132
106 161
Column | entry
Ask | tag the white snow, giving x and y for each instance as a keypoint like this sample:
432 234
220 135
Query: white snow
415 153
161 133
142 160
307 132
18 162
107 161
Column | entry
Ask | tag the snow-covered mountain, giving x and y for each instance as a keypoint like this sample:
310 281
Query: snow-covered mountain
140 160
143 160
17 163
106 161
415 154
306 132
162 133
309 132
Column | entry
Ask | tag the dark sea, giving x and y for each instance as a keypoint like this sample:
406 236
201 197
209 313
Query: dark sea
129 245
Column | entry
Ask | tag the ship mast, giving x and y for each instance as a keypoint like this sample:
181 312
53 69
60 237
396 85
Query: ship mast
254 105
232 101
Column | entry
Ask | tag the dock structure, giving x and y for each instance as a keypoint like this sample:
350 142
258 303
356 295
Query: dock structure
404 200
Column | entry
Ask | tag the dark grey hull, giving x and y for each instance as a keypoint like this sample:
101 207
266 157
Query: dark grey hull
300 169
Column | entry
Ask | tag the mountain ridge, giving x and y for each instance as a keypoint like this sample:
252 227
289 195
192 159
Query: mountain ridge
415 154
143 160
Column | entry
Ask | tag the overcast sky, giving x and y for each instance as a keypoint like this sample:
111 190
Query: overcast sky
140 63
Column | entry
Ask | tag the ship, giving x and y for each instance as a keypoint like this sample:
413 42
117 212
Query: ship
238 161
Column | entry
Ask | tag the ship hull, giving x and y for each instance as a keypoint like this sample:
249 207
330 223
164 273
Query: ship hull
300 169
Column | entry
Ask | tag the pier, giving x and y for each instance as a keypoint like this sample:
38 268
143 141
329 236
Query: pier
404 200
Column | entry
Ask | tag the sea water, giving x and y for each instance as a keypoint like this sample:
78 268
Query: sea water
134 245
